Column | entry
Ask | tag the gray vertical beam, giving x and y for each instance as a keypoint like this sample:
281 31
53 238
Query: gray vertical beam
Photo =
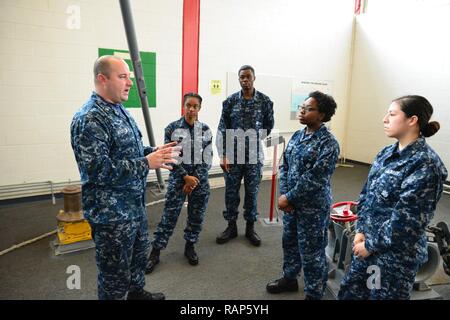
138 75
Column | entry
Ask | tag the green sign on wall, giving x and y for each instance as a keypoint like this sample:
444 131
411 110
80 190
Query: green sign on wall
149 68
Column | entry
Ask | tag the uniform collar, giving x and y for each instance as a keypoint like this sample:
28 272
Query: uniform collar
409 150
114 107
184 123
255 95
316 134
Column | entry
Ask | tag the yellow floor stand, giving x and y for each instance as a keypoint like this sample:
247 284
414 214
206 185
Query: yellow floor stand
74 232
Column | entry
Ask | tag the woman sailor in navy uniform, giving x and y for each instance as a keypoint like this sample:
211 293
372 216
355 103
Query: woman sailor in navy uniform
396 204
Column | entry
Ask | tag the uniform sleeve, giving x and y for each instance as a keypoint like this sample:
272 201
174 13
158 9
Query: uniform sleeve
361 211
91 139
268 118
283 170
177 168
222 130
148 150
203 168
314 180
411 214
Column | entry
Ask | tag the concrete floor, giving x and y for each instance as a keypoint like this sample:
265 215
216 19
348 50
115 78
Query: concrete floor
232 271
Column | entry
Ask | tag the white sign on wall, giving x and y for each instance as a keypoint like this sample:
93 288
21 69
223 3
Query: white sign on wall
301 90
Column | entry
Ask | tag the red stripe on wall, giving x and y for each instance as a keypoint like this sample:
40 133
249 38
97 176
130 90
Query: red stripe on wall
191 34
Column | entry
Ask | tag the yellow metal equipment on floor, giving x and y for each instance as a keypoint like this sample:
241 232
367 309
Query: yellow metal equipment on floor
74 232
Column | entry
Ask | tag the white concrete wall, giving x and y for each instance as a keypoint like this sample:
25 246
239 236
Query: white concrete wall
401 48
302 39
45 68
46 75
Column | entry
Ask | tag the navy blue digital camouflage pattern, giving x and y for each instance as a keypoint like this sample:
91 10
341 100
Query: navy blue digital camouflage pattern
308 164
254 119
396 204
111 159
121 251
252 174
238 113
196 142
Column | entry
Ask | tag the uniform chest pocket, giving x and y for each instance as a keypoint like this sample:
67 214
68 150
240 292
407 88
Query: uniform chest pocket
124 139
387 187
307 157
124 135
205 141
184 139
236 117
258 119
249 117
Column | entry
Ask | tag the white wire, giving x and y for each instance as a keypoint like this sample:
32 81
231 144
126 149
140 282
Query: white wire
16 246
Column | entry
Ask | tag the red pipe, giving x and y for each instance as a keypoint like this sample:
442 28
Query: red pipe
274 179
357 6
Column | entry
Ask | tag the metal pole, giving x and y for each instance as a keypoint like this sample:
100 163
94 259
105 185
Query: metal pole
139 75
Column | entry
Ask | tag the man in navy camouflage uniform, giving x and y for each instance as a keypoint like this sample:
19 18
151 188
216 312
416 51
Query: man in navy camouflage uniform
113 165
308 163
397 202
188 178
246 113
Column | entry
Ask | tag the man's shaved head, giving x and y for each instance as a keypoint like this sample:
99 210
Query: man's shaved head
103 66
